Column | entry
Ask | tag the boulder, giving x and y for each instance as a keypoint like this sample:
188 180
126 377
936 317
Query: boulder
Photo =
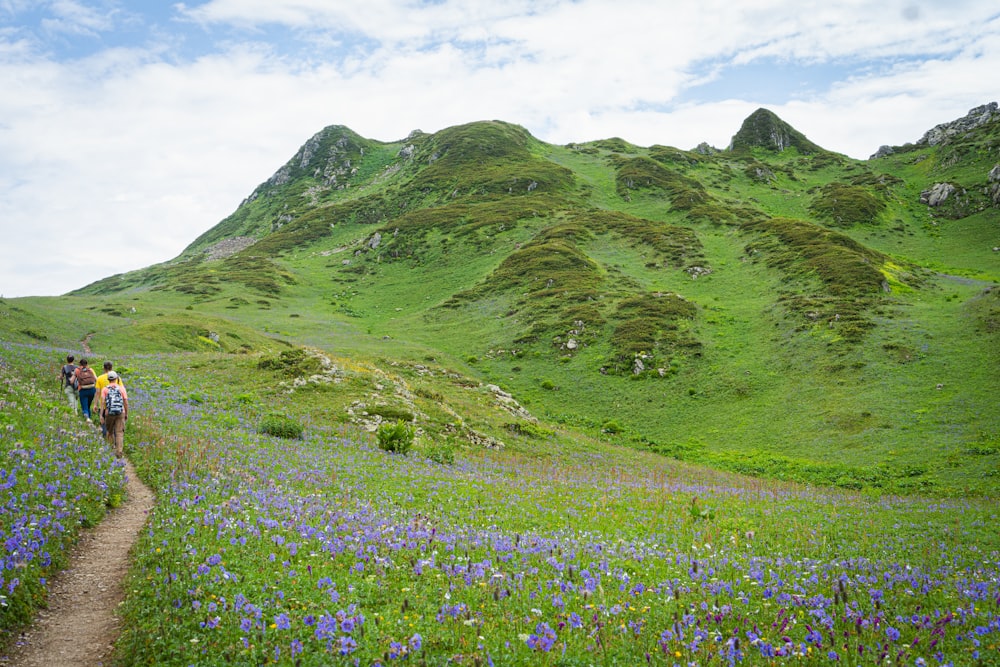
937 194
762 174
883 151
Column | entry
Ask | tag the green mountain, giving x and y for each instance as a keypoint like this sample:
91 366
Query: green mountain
763 129
773 308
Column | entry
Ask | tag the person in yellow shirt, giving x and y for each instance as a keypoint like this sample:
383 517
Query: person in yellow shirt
102 382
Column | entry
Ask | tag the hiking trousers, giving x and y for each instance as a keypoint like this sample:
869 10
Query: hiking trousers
71 396
86 399
115 425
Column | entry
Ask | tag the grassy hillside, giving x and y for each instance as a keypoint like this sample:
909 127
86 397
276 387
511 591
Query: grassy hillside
774 308
730 407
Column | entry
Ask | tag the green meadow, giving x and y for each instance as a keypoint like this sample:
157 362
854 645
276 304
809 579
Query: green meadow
475 399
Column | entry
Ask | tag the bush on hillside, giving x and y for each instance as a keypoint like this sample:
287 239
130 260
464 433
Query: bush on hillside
295 362
846 205
612 426
281 426
396 438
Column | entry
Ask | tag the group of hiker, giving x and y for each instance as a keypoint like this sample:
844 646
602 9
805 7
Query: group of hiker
82 386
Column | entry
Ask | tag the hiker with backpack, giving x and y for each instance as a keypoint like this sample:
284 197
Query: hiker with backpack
102 382
66 381
114 413
85 381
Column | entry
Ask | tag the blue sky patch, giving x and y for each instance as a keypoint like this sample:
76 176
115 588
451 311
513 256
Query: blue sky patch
776 82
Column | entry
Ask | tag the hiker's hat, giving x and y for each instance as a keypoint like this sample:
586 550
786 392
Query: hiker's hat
112 375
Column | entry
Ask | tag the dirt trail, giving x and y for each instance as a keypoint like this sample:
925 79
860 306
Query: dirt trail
80 625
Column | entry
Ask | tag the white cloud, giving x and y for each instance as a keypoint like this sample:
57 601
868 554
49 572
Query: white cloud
120 159
77 18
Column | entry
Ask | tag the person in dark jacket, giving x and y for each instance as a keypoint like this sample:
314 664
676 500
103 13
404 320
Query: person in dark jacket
66 381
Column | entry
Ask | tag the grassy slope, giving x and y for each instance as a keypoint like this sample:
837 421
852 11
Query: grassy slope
769 390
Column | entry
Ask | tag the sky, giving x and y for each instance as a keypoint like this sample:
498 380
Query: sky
128 127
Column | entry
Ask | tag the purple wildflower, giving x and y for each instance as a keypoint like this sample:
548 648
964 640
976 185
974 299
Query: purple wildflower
543 638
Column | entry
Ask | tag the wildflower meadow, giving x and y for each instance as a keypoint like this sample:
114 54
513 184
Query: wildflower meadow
328 550
56 478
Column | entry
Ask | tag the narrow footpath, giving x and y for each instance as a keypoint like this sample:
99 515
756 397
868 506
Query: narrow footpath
80 624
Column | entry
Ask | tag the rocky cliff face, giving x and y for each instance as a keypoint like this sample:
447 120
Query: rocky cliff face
326 157
945 132
941 134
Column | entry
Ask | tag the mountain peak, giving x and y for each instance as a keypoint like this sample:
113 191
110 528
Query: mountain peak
763 129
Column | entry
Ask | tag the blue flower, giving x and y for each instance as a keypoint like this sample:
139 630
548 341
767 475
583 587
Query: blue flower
346 645
543 638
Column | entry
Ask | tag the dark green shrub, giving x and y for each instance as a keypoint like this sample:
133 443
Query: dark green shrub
530 430
31 333
280 426
296 362
612 426
396 438
846 205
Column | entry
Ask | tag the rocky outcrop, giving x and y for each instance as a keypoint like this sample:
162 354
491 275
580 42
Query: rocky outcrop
761 174
328 157
943 133
937 194
993 185
227 247
883 151
954 201
510 404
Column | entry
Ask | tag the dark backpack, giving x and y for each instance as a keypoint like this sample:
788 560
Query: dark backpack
67 372
114 402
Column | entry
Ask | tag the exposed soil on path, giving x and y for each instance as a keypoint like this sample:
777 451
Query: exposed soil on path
80 624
